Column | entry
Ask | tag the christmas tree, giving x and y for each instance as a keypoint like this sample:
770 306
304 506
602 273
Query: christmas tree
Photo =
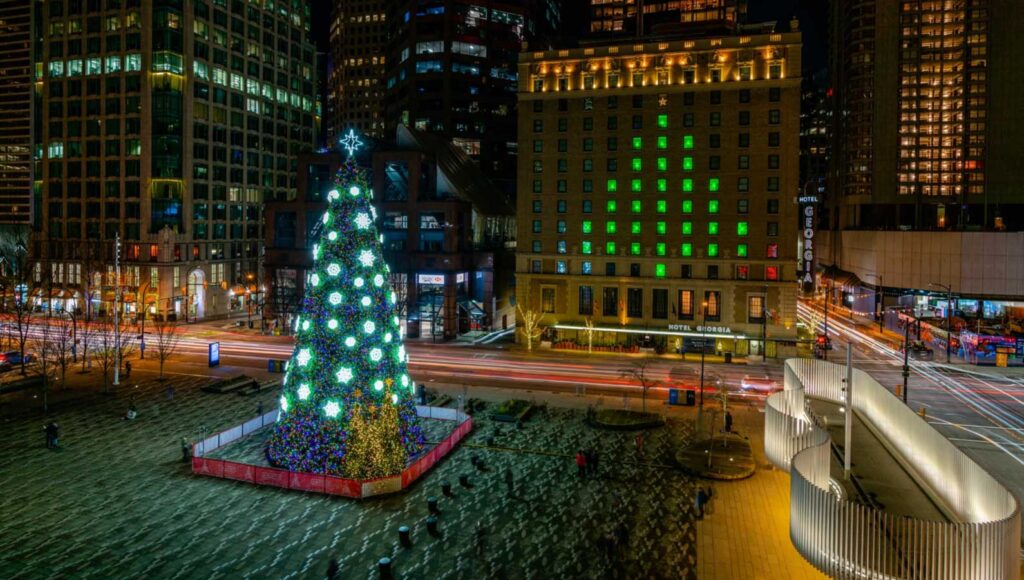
346 406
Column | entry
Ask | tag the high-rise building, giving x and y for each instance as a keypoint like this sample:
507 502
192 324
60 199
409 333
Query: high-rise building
639 18
657 191
926 148
166 123
355 84
17 45
451 71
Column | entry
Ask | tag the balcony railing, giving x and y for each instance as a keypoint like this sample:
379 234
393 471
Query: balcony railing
845 539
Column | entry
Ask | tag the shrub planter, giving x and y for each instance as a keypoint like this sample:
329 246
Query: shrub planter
512 411
623 420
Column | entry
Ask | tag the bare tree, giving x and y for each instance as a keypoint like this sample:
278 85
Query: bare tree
109 348
589 323
640 372
86 338
167 340
60 340
529 322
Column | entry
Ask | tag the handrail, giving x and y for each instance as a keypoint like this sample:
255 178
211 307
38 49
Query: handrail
849 540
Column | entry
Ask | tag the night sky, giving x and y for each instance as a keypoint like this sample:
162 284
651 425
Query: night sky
811 13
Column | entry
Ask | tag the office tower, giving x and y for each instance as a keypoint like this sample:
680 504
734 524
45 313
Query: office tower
637 18
358 46
167 123
17 45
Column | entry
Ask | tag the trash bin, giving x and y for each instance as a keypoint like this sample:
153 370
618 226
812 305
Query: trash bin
728 357
691 398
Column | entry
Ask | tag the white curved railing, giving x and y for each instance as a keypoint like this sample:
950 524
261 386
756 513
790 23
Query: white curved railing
845 539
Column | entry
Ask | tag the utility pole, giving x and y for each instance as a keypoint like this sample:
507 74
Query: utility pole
703 348
764 326
117 306
828 298
949 316
881 307
906 362
848 427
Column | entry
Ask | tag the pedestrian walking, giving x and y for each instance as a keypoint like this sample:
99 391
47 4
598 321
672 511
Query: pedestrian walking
169 392
48 429
186 451
699 502
127 369
639 441
333 569
581 463
509 480
480 535
728 422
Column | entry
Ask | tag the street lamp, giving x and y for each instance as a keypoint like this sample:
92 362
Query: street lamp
703 348
828 298
949 315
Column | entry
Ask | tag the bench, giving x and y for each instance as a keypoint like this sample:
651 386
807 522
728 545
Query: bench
22 384
230 385
259 387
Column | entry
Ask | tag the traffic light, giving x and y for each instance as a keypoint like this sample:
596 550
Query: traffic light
823 342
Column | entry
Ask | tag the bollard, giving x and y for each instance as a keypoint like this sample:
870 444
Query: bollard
921 412
432 526
446 489
403 536
432 505
384 567
464 481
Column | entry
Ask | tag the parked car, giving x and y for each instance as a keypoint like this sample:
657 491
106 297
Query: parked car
13 357
919 351
758 384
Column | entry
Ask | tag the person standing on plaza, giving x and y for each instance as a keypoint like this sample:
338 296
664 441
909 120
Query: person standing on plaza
639 441
698 501
509 480
581 463
728 422
333 569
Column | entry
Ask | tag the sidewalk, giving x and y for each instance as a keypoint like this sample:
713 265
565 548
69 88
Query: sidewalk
745 534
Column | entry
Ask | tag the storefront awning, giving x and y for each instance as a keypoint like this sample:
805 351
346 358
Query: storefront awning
839 277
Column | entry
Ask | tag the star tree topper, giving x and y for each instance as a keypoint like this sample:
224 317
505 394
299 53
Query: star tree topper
351 143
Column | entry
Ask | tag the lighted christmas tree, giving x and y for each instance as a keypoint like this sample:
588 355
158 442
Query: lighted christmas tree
347 406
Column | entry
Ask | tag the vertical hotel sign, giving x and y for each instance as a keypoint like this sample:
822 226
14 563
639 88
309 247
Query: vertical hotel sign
805 263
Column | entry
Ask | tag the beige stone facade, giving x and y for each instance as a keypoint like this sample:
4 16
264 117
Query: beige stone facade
656 178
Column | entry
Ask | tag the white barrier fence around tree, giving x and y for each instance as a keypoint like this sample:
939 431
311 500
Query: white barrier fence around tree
846 539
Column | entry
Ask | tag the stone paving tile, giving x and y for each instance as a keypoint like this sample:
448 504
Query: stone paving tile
115 501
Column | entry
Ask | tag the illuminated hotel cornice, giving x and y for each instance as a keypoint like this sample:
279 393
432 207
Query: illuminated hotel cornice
699 62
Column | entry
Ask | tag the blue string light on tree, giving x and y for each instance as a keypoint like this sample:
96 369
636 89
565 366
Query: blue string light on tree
347 406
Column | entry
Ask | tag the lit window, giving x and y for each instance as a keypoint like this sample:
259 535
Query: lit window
587 247
662 142
613 186
687 141
611 206
771 272
687 163
712 228
638 143
609 248
634 248
662 164
637 164
663 121
635 206
741 250
659 270
662 185
687 206
742 229
712 250
686 250
687 185
773 251
588 267
660 248
687 228
588 226
661 228
636 185
712 206
661 206
610 227
561 267
713 184
634 228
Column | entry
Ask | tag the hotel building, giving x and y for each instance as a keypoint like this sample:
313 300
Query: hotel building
657 192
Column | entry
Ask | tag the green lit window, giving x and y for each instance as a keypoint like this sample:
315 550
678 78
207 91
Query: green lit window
687 163
609 248
638 143
635 206
637 164
588 226
712 250
663 121
687 206
661 206
687 141
659 270
611 206
687 228
713 184
613 186
662 164
687 185
587 249
610 227
659 248
636 185
712 206
662 185
662 142
712 228
686 250
661 228
634 228
742 229
741 251
634 248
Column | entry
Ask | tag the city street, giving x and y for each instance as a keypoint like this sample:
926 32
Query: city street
980 409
